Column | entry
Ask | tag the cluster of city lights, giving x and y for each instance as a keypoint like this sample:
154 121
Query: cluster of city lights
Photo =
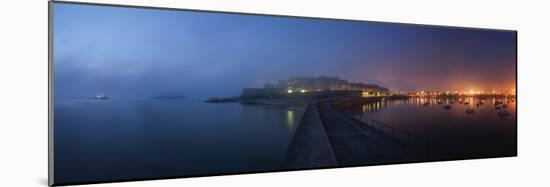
430 93
470 92
301 91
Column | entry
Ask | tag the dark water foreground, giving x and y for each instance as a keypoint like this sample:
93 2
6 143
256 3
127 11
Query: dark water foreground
452 132
100 140
383 131
103 140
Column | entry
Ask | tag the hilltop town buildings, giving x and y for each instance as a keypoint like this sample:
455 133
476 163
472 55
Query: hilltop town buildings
313 85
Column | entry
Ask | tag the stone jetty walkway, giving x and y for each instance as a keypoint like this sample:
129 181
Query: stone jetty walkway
310 146
350 145
326 138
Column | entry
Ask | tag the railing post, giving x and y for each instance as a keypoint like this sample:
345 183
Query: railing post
429 149
363 119
409 139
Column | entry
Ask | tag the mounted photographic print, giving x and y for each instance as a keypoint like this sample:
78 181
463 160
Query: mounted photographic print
140 93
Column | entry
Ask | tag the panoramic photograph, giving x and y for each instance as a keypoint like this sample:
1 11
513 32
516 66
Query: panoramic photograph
141 93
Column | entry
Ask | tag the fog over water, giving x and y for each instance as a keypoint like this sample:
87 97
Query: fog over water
136 53
131 55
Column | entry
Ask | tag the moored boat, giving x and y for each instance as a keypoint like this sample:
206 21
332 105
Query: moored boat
503 113
101 96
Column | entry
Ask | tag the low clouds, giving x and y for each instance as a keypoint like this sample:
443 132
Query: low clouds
129 53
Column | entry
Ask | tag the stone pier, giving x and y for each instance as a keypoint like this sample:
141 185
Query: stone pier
310 146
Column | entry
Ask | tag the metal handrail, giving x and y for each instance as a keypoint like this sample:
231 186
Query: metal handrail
409 139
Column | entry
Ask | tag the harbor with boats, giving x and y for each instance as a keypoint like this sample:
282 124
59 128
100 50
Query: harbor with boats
412 129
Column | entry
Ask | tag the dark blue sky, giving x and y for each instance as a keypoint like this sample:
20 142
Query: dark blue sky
129 52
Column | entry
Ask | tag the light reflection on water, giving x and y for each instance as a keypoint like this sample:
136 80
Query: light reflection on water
290 119
125 139
419 102
483 133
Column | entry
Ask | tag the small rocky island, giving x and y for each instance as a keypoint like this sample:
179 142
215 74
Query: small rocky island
223 100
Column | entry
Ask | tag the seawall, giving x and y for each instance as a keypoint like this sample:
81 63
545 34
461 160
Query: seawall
310 146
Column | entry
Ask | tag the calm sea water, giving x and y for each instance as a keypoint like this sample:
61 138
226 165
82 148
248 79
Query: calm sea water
98 140
453 133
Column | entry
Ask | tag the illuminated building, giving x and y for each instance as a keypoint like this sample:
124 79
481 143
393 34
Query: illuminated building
324 83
